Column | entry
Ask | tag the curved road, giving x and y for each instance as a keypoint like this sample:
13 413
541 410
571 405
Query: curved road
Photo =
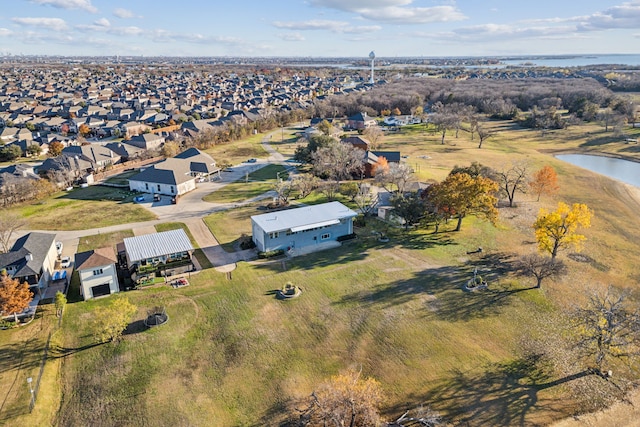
191 210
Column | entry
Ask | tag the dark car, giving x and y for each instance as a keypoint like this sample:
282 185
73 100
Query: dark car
252 160
156 197
174 200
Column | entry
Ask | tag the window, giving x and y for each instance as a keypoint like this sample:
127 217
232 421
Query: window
146 186
158 187
325 236
274 235
173 189
97 272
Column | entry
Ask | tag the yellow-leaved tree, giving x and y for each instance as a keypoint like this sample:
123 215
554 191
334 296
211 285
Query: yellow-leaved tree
461 194
109 322
558 229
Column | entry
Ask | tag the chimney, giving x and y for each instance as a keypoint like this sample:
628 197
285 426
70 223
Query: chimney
28 257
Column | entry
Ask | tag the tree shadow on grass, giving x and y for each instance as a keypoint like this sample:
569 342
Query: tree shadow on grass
422 240
444 288
334 256
601 140
503 394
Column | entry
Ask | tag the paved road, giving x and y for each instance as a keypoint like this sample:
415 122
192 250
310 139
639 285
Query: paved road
190 209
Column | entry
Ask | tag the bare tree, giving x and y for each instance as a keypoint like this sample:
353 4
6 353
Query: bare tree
397 175
511 179
540 267
305 183
338 161
374 134
283 190
329 189
423 417
9 224
483 134
609 328
365 199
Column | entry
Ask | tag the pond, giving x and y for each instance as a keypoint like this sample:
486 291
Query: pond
619 169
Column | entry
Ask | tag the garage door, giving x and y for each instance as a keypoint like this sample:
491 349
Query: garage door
100 290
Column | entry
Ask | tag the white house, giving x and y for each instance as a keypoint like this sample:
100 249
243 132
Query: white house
174 176
97 272
302 227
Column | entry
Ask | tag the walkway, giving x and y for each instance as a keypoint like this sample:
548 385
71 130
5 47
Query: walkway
191 210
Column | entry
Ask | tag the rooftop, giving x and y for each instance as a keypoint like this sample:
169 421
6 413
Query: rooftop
304 218
157 244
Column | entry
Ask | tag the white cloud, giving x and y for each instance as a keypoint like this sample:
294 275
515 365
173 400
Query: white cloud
290 37
355 5
394 11
69 4
123 13
54 24
626 15
103 22
5 32
327 25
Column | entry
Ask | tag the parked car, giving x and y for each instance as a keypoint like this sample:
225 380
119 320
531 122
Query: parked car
156 197
252 160
138 199
59 247
65 262
174 200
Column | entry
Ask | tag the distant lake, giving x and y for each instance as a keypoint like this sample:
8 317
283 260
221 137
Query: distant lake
622 170
574 60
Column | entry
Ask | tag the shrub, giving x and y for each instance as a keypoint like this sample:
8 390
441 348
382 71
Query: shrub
346 237
270 254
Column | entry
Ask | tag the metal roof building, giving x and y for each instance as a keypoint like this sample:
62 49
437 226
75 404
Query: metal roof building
157 245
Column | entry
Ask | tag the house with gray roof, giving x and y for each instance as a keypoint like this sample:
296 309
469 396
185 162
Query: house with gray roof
148 141
302 228
174 176
31 259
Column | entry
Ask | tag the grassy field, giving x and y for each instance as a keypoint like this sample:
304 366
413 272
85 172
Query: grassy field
259 182
102 240
200 256
83 208
234 354
238 151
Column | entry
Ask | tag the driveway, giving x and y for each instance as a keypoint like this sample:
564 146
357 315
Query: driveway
190 209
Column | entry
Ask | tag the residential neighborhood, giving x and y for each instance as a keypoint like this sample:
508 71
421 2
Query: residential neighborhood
246 240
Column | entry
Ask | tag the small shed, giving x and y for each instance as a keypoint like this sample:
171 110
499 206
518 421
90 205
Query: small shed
97 272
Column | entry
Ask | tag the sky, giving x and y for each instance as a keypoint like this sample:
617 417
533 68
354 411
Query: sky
318 28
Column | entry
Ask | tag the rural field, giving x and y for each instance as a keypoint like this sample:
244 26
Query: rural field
232 354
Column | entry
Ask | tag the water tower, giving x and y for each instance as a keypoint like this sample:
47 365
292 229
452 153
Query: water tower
372 57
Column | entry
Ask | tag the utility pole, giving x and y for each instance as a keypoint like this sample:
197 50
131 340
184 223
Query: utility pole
32 403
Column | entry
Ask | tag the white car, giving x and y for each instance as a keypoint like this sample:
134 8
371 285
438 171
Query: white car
65 262
59 247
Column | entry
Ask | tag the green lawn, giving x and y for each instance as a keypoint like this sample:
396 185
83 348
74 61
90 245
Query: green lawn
233 353
259 182
200 256
102 240
238 151
123 178
83 208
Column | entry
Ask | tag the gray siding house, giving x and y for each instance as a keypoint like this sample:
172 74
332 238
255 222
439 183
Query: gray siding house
302 227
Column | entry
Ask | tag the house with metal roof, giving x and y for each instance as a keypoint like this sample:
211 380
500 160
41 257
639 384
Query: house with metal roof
164 251
97 272
303 227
